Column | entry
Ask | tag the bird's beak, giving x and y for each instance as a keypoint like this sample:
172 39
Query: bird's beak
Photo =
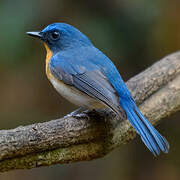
35 34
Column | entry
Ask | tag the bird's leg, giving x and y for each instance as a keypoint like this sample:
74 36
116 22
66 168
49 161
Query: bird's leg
77 112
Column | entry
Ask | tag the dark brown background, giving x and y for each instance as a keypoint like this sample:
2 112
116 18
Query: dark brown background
134 34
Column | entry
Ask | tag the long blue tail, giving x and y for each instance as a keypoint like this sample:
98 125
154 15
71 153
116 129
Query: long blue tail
149 135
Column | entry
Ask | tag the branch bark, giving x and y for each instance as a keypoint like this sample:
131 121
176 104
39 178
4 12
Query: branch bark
92 135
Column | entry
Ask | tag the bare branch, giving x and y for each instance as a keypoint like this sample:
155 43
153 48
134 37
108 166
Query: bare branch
92 135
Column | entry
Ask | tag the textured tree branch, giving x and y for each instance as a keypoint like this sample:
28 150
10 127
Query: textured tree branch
92 135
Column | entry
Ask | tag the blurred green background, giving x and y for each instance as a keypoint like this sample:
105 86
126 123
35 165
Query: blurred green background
134 34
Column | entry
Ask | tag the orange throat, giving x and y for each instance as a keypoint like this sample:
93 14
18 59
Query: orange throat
48 58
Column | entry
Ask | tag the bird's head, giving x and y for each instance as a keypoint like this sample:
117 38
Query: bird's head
61 36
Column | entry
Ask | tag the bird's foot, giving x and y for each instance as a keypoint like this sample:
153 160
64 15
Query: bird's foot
77 113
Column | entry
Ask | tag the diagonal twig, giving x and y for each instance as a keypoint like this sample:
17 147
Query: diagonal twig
92 135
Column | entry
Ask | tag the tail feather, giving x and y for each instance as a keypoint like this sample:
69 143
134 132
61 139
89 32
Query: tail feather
162 142
149 135
144 132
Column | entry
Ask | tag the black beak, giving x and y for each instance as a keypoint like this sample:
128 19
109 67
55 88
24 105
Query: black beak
35 34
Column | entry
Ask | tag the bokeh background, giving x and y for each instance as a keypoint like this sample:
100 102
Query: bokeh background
134 34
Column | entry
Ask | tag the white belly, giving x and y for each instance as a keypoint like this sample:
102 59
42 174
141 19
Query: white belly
75 96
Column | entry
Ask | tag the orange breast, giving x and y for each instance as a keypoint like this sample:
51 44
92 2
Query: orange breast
48 58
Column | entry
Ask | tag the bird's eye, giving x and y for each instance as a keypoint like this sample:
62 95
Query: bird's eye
55 35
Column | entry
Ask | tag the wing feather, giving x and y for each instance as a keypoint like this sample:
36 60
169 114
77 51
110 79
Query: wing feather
91 82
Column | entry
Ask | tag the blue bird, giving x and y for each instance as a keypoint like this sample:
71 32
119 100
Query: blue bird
86 77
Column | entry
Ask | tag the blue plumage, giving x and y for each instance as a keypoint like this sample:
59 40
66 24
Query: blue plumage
82 67
149 135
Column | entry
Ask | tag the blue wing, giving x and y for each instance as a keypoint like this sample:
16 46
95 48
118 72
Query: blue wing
90 81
